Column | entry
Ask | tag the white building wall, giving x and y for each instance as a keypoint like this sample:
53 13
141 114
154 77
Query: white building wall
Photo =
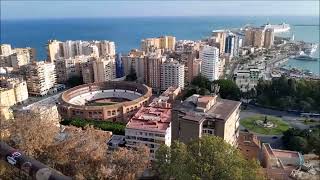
210 62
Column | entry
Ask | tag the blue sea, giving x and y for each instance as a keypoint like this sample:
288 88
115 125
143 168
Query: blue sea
128 32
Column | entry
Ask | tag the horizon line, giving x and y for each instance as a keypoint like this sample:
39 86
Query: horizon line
164 16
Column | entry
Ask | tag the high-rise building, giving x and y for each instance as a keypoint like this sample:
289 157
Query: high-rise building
119 66
134 61
258 38
210 62
152 70
87 72
269 38
164 42
107 48
19 87
5 49
20 57
55 50
206 115
41 77
219 38
67 68
230 44
172 74
104 69
249 37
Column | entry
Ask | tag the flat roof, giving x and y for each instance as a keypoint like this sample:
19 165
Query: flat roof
151 119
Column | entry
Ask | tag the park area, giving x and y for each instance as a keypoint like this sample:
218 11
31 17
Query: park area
267 125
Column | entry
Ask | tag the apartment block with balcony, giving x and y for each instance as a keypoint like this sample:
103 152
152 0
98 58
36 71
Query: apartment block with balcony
41 78
206 115
150 126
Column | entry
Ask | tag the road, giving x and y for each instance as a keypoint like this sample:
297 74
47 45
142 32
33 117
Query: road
274 140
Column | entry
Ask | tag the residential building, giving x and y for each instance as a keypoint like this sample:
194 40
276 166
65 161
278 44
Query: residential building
269 38
18 85
5 49
7 97
150 126
259 38
119 66
55 50
67 68
134 61
279 164
164 42
247 79
249 37
172 74
152 70
193 69
206 115
210 62
87 72
107 48
230 44
71 49
249 145
104 69
219 40
41 78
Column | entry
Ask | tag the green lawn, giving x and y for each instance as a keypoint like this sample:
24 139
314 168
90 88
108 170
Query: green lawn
249 124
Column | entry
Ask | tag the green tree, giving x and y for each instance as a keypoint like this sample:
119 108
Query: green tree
201 82
132 76
228 89
75 81
209 157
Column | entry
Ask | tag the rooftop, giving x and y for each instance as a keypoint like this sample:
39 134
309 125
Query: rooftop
151 119
216 107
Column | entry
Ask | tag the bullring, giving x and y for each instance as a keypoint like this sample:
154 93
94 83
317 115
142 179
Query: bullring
105 101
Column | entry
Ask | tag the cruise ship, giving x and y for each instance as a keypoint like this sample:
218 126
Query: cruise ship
278 28
310 49
304 57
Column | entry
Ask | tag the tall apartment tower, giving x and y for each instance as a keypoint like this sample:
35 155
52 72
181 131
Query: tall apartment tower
41 77
107 48
104 69
172 74
87 72
134 61
258 38
164 42
269 38
5 49
210 62
220 39
20 57
230 44
152 70
249 37
55 50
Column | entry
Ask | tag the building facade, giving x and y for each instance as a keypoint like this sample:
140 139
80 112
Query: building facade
104 69
134 61
164 42
210 62
206 115
13 90
269 38
41 78
152 70
172 74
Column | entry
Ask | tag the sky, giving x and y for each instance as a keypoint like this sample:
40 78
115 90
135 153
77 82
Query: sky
90 9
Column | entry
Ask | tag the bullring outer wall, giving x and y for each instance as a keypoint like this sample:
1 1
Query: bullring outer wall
119 112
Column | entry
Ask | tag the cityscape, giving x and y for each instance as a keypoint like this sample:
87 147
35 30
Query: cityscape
233 104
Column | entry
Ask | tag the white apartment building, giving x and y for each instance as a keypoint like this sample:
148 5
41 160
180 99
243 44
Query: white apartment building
70 49
150 126
104 69
19 87
41 78
5 49
172 74
210 62
20 57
